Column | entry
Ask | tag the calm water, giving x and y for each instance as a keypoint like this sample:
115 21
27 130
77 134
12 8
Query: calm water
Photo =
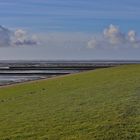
6 79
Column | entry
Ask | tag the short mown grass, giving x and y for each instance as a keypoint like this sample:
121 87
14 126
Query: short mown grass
96 105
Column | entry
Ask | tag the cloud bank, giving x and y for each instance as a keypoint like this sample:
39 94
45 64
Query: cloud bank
113 37
18 37
22 38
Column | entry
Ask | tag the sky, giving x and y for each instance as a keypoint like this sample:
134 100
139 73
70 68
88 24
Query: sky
69 29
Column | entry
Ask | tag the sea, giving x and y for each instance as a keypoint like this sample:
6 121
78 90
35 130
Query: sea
29 75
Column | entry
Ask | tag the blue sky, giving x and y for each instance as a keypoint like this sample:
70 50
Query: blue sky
69 15
66 26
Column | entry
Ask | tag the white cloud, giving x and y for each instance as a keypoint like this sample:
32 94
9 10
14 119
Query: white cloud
18 37
94 43
132 36
21 37
114 37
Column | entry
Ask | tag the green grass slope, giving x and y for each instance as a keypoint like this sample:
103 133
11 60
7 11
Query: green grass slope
96 105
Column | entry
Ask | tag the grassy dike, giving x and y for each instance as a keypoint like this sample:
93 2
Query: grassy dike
96 105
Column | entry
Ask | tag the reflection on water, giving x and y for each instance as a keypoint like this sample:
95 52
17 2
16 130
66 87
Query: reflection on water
16 76
6 79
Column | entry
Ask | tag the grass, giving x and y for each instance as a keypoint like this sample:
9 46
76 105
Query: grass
96 105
